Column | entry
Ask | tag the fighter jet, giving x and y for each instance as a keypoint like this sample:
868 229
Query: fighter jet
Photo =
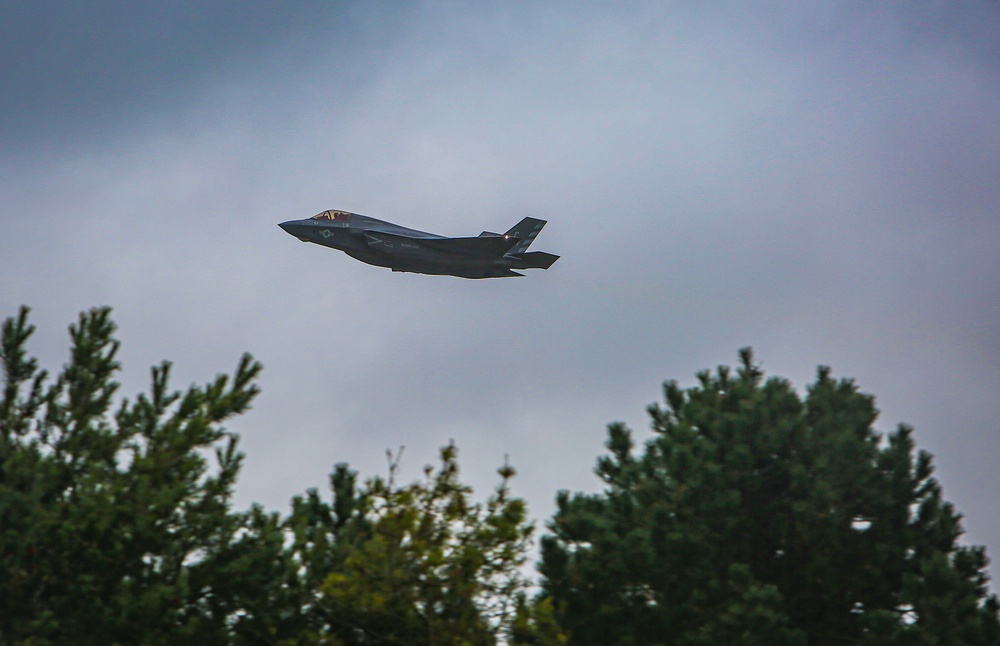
383 244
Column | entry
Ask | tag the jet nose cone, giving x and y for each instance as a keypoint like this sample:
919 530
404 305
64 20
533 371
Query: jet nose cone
301 229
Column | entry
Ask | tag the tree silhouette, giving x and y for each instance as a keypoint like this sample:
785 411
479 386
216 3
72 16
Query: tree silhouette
115 524
756 516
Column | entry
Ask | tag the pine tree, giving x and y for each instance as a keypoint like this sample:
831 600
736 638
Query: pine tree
755 516
115 527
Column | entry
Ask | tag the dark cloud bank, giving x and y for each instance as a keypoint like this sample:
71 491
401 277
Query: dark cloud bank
817 182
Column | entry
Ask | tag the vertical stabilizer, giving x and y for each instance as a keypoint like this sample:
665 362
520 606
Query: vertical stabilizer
525 231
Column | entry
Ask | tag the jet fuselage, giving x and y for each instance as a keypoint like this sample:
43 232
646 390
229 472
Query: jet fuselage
385 244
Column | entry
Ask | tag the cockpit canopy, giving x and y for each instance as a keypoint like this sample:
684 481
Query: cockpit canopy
339 216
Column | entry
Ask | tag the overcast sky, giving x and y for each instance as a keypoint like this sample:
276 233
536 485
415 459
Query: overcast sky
820 181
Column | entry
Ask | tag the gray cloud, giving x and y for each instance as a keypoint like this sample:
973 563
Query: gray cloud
815 182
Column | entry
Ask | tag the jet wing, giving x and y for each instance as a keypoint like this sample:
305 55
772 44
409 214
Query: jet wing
481 246
478 247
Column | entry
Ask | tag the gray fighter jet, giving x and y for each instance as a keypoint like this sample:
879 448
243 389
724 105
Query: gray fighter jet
490 255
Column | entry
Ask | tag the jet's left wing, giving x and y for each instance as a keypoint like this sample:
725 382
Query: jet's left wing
477 247
481 246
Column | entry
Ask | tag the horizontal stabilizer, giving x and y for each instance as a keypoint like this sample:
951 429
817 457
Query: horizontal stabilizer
535 259
489 234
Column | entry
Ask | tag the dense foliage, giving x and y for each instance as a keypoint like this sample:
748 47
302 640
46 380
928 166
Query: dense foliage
117 527
754 516
420 564
111 522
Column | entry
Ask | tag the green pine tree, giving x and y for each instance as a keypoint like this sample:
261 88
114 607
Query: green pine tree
756 516
115 525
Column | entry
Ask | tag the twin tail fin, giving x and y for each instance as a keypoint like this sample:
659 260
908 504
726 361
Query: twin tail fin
525 231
